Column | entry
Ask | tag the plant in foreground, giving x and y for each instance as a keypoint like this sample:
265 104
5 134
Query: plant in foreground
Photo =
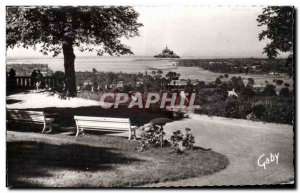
181 142
151 136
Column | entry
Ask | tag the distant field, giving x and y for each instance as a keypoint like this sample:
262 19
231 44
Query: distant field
194 73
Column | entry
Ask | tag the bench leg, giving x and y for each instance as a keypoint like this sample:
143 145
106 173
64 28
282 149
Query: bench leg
77 132
44 129
130 134
50 128
134 133
47 125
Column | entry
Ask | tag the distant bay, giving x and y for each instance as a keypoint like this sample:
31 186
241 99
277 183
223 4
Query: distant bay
136 64
105 64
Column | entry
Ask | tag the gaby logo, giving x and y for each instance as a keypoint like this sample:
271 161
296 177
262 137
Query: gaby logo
181 100
265 160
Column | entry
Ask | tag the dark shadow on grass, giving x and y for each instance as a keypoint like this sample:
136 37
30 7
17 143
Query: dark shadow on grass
64 117
24 127
201 148
18 91
12 101
27 159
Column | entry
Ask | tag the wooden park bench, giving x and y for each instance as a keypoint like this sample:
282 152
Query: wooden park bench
105 124
32 117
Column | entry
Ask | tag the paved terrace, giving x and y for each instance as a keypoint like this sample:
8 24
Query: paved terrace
242 141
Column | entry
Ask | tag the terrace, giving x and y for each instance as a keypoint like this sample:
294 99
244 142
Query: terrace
110 160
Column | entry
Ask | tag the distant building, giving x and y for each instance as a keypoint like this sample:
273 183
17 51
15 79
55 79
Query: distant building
87 82
120 84
167 53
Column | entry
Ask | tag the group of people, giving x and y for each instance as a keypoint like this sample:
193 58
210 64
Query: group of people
36 79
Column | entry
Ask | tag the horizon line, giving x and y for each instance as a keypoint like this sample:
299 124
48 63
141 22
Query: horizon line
150 56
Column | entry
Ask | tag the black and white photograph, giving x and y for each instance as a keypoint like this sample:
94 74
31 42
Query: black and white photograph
142 96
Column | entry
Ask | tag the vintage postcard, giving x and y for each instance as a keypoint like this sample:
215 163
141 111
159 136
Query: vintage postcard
150 96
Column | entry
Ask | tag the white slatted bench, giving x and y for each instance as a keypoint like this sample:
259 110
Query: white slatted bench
105 124
33 117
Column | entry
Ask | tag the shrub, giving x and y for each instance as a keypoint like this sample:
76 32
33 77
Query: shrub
231 107
200 85
275 109
89 95
59 80
269 90
181 142
279 110
208 95
59 84
238 84
127 88
87 87
248 91
218 81
251 116
285 92
279 82
259 111
286 84
250 81
151 137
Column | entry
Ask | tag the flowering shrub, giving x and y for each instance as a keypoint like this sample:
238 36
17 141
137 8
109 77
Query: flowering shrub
151 136
181 142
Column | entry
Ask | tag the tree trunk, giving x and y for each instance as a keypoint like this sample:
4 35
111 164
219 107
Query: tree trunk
69 62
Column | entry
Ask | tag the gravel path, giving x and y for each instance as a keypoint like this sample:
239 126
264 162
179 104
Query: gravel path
40 99
243 142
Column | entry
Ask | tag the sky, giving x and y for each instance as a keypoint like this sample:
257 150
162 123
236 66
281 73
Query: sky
216 31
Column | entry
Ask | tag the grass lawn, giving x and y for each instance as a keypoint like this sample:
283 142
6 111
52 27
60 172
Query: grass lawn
40 160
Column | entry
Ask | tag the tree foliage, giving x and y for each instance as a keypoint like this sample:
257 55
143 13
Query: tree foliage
60 29
84 26
280 24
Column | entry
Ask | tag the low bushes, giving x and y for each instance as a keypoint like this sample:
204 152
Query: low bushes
231 107
181 142
152 137
89 95
274 109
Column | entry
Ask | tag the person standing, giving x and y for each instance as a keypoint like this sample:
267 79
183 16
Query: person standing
39 78
33 78
12 82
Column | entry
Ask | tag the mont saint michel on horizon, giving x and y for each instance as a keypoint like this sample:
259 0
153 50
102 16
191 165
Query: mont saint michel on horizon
150 96
167 53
